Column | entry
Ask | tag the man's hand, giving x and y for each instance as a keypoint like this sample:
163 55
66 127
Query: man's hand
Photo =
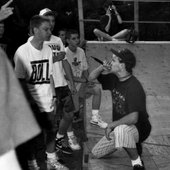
6 11
107 66
108 130
59 57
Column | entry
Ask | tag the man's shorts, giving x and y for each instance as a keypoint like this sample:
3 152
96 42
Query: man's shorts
46 120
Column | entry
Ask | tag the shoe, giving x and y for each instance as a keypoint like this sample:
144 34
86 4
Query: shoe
138 167
97 120
74 145
32 165
77 118
132 36
55 165
62 145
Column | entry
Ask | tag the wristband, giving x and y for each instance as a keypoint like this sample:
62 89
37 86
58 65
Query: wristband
54 97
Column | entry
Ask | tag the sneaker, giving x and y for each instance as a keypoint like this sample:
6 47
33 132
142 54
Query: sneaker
138 167
62 145
55 165
74 145
97 120
32 165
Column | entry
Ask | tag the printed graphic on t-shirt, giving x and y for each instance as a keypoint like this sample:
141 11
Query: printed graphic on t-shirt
76 67
54 47
118 102
40 72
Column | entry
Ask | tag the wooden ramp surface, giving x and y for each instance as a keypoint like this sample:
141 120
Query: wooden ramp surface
153 61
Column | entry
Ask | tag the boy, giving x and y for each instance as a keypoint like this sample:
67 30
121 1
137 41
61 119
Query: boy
77 59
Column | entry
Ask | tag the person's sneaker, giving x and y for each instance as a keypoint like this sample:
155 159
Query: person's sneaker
97 120
32 165
62 145
138 167
74 145
55 165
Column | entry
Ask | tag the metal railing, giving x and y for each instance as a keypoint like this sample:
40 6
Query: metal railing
136 20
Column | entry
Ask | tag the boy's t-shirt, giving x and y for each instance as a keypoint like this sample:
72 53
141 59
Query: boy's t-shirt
35 67
56 45
78 62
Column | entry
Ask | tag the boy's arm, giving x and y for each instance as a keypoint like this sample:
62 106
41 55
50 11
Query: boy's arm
52 85
69 75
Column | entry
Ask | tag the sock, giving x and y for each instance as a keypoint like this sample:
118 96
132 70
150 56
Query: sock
137 161
51 156
59 136
69 134
95 112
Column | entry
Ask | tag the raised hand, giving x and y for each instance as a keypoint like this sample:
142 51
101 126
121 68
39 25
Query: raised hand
6 11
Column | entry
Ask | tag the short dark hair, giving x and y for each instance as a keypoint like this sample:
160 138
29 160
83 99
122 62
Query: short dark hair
62 29
70 32
108 3
36 22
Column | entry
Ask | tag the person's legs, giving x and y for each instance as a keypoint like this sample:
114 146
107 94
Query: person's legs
121 35
104 147
95 91
65 126
102 35
50 133
126 137
35 148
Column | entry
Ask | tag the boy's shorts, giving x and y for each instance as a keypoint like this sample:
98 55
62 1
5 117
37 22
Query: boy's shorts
65 103
84 93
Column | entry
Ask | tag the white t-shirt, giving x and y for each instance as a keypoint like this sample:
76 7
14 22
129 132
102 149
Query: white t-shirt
77 61
56 45
35 67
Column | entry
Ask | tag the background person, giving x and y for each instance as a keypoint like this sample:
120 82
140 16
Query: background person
63 93
33 66
110 24
62 35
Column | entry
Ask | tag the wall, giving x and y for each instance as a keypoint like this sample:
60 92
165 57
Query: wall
152 69
153 62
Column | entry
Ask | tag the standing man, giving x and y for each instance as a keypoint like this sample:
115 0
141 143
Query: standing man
77 59
62 91
33 66
130 124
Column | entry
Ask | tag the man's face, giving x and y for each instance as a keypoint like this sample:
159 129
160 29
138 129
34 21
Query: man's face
74 40
1 29
52 21
115 64
44 31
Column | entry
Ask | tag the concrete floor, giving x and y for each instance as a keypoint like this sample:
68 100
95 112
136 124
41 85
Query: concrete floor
156 154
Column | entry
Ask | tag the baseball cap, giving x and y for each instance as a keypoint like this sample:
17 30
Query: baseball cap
47 11
125 56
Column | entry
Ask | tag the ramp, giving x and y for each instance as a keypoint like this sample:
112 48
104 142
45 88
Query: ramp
153 70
